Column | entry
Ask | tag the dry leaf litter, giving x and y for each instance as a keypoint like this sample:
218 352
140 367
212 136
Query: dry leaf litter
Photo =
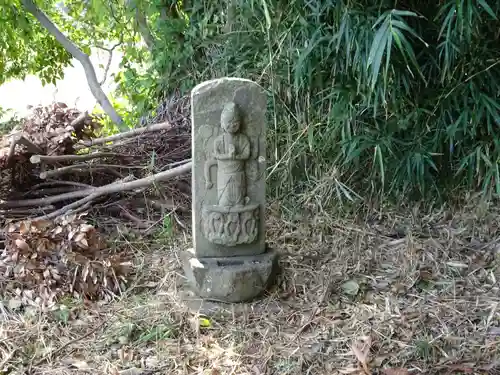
427 301
44 260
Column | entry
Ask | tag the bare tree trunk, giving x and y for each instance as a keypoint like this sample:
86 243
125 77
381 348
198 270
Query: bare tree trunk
78 54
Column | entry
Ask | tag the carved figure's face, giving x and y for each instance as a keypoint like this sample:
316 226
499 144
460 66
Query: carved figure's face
230 120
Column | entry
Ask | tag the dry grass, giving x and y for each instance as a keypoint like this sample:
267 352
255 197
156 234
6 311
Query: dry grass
421 290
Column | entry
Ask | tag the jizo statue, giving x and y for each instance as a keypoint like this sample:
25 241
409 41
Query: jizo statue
229 260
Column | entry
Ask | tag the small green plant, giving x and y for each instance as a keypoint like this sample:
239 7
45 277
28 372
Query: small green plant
62 314
166 231
156 333
142 333
424 349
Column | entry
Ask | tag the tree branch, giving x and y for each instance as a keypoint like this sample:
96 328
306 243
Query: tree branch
83 166
137 131
78 54
52 159
144 30
80 119
79 203
110 58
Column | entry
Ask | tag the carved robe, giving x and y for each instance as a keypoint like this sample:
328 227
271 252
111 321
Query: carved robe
231 151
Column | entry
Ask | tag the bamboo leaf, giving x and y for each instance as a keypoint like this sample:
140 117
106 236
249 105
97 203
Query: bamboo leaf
377 51
487 8
404 13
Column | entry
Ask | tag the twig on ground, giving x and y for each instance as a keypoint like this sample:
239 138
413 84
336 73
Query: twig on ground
57 182
128 215
165 206
27 211
49 191
175 164
63 170
83 208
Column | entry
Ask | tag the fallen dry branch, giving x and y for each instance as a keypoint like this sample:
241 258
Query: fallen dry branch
52 159
49 191
116 187
81 167
84 202
27 211
70 168
57 182
78 206
138 222
129 134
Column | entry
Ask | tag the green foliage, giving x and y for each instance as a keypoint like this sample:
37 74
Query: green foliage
122 107
147 71
165 233
27 48
388 97
167 67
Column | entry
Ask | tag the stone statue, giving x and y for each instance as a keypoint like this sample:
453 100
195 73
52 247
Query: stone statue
231 150
230 260
231 221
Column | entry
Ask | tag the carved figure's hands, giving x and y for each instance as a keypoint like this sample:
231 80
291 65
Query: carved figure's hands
232 151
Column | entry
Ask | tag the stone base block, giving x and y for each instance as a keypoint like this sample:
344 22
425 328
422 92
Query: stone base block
230 279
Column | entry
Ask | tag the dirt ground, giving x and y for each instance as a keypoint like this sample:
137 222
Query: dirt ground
389 293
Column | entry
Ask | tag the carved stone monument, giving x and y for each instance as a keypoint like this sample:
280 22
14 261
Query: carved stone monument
230 260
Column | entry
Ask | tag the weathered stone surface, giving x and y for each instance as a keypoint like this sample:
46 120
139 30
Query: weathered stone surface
228 150
235 279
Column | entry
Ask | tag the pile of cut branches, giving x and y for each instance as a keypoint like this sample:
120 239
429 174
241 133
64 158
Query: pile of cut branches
58 168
